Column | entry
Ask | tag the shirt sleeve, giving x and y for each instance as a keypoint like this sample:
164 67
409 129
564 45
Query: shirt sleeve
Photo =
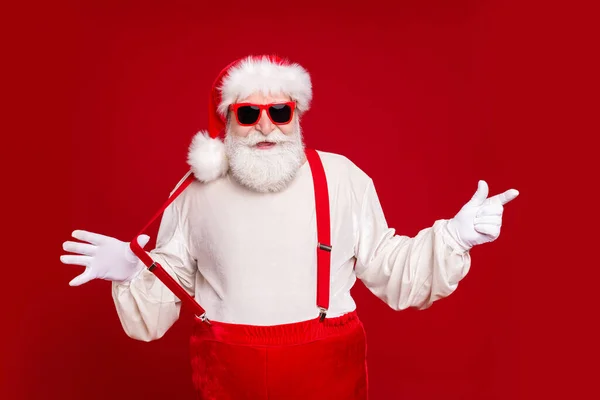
145 306
406 271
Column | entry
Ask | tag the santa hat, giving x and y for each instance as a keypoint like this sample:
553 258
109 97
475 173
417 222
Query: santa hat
253 74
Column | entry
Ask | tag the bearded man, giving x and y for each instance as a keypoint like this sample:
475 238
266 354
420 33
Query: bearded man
270 237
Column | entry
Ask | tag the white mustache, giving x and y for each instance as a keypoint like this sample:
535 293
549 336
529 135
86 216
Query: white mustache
256 137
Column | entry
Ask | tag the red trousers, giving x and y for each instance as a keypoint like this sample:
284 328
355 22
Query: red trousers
306 360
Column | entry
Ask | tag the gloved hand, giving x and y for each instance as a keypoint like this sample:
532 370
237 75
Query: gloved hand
104 258
480 219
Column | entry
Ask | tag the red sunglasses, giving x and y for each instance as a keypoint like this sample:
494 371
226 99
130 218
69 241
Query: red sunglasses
248 113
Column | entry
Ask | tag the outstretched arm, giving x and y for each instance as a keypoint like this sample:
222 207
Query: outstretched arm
145 306
416 271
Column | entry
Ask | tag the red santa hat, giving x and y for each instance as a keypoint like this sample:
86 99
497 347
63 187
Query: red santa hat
253 74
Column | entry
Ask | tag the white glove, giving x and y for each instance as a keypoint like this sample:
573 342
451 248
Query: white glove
479 220
105 258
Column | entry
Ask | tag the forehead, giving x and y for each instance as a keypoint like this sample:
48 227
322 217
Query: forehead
261 98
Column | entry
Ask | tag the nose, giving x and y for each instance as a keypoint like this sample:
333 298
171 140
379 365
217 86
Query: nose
265 126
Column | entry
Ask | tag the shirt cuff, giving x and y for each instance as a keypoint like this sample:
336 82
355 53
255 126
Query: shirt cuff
450 240
135 277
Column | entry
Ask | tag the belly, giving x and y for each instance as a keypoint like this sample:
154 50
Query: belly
262 265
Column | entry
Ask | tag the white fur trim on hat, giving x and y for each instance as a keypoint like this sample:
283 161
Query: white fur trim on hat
207 158
262 75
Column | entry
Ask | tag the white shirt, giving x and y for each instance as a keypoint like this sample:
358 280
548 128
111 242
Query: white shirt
250 258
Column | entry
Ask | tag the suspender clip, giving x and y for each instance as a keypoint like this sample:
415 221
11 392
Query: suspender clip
322 314
203 318
325 247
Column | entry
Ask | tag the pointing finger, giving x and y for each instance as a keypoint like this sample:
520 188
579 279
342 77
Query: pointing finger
507 196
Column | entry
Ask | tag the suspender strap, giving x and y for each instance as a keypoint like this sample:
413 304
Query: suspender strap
323 230
156 268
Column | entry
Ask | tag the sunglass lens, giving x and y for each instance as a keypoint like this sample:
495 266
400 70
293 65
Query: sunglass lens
280 113
248 114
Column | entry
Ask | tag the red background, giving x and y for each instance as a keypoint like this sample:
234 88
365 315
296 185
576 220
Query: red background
426 96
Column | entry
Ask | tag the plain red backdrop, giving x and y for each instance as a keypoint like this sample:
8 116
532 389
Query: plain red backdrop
427 97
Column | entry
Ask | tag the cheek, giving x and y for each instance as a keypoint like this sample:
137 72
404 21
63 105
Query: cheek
240 131
287 129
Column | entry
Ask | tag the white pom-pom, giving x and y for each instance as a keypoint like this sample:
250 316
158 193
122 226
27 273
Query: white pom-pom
207 158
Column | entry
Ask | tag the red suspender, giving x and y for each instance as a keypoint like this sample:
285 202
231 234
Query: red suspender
323 231
156 268
323 245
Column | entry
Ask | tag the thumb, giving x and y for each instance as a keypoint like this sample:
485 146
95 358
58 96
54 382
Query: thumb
85 277
481 194
143 240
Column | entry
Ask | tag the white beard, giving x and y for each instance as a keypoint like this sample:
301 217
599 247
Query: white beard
265 170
